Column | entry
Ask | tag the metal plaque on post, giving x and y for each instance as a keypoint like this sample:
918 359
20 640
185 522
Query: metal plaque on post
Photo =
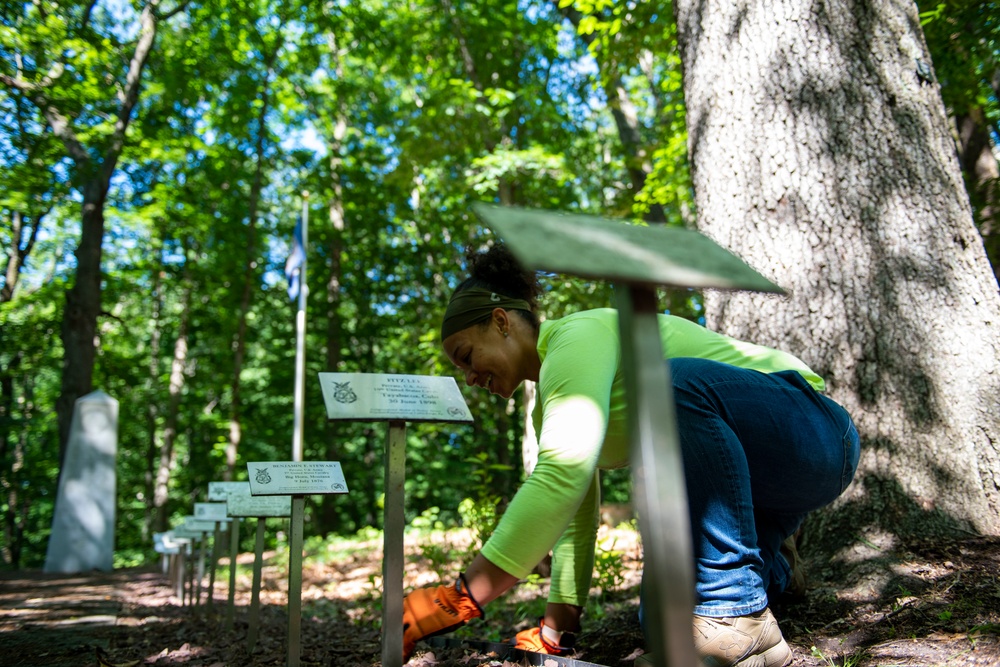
638 259
211 512
396 399
220 491
386 397
296 478
259 506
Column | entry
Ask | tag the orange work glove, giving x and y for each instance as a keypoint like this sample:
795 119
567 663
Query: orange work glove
542 640
434 611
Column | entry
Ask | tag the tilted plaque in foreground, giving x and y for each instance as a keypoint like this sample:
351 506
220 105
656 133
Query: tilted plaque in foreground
607 249
386 397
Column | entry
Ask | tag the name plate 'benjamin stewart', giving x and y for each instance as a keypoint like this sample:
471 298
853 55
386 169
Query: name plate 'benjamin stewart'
293 478
385 397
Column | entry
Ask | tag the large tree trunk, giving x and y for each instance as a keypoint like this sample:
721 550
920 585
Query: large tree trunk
821 154
335 250
83 306
250 275
153 407
171 418
83 299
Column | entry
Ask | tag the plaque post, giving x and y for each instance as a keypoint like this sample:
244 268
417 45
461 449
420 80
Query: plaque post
637 259
295 479
234 550
295 581
240 504
658 480
392 560
395 400
220 491
214 512
190 539
177 573
258 567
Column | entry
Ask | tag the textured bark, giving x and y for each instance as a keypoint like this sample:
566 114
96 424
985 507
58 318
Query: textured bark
821 154
83 299
153 408
250 271
80 313
329 509
24 233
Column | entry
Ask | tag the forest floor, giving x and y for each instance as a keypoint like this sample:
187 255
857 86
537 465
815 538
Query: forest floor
876 604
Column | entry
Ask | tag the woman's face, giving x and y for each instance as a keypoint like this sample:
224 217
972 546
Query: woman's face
490 359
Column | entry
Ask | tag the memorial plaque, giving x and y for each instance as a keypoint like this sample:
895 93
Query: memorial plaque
259 506
292 478
602 248
195 524
220 491
211 512
385 397
182 532
164 543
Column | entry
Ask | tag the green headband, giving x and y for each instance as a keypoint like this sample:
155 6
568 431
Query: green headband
473 305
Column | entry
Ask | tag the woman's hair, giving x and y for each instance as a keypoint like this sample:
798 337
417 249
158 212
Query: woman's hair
497 270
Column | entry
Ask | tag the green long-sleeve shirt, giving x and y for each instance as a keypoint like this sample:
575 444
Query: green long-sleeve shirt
581 424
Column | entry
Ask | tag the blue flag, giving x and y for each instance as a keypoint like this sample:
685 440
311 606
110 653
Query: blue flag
293 265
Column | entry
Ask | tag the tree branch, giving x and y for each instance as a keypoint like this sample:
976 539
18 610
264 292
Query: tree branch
176 10
58 122
147 34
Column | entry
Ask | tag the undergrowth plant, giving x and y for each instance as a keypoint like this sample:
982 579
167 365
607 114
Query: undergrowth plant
609 566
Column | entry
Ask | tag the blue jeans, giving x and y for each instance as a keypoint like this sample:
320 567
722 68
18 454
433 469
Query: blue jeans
760 452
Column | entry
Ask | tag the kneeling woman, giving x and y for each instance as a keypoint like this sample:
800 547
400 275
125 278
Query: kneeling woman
761 448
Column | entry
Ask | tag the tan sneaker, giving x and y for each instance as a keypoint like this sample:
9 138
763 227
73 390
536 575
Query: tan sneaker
741 641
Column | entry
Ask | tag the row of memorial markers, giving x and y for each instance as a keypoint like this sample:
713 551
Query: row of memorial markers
229 503
278 489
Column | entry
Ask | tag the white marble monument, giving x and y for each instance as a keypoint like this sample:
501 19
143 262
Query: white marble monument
83 528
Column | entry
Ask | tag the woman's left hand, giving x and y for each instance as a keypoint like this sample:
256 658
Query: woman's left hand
434 611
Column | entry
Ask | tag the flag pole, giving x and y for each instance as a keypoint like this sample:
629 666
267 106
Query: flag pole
300 338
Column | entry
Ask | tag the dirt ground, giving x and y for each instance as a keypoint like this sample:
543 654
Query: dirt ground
876 604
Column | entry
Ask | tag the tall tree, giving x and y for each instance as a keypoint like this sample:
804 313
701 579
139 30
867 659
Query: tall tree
58 62
821 154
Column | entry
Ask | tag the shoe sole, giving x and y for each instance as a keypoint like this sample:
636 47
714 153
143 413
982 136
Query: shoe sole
778 655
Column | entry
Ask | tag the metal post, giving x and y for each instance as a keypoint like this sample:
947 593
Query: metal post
180 578
191 569
201 569
295 581
658 478
216 539
234 549
392 541
258 565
